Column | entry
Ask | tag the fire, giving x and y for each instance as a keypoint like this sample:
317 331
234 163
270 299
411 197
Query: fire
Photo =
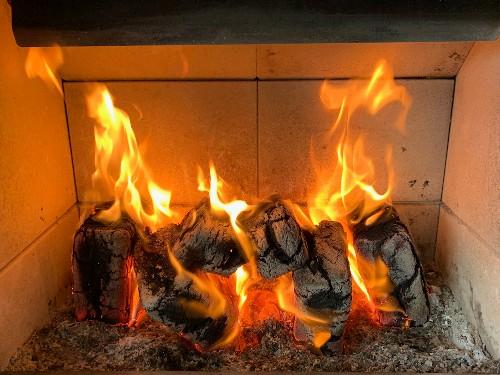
241 285
120 166
286 300
136 310
207 284
233 209
44 63
347 193
245 275
258 299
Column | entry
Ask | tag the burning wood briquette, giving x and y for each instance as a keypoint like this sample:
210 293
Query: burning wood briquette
323 288
280 246
389 240
207 242
101 262
201 314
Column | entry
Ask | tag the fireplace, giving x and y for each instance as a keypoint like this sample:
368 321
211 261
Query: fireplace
328 152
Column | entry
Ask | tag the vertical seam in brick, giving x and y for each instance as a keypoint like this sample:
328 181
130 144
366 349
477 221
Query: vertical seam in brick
258 134
257 116
445 165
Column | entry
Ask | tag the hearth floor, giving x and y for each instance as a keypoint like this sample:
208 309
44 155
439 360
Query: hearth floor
446 343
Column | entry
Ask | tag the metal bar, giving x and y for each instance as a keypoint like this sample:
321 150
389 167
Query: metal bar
131 22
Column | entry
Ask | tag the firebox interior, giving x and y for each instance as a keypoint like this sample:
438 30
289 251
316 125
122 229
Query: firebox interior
254 111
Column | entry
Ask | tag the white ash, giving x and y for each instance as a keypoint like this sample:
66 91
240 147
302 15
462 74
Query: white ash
447 343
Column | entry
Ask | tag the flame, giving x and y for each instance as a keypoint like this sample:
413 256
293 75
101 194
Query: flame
206 284
319 325
286 299
44 63
116 147
241 285
347 192
233 209
136 310
379 287
246 275
257 299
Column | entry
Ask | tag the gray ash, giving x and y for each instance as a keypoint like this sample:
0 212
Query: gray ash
445 344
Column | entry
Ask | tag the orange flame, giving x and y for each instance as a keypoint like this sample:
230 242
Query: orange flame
233 209
135 192
348 194
206 284
44 63
245 275
120 167
255 297
319 325
136 310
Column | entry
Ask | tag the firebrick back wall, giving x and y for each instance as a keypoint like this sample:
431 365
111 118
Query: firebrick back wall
259 135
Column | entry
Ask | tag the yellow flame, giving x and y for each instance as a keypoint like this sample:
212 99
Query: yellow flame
319 325
241 285
246 275
206 284
134 298
347 193
321 337
286 299
44 63
135 192
378 284
232 209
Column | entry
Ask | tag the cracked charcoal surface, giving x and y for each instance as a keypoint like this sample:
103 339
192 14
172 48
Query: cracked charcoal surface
323 285
279 241
325 282
444 344
162 290
207 243
392 242
101 277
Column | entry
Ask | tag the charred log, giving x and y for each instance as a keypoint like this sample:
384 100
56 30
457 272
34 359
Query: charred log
207 243
390 240
166 295
101 264
323 287
279 242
